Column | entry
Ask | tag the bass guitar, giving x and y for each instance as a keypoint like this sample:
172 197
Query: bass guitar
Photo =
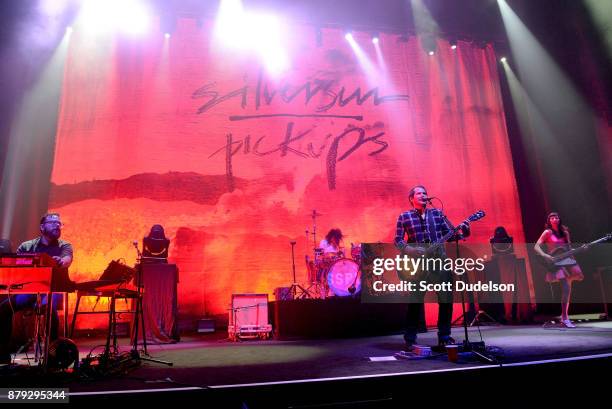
562 257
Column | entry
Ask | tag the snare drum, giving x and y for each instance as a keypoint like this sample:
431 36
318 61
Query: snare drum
318 252
342 275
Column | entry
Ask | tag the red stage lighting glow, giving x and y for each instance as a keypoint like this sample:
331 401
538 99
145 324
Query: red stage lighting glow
233 159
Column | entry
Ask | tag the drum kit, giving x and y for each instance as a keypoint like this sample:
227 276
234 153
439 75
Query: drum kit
332 273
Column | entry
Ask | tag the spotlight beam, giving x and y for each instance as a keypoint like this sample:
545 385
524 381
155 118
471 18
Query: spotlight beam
372 74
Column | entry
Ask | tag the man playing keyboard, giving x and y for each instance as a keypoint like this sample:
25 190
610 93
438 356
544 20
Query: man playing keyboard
48 242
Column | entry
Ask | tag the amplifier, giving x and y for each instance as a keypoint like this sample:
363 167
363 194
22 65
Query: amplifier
248 317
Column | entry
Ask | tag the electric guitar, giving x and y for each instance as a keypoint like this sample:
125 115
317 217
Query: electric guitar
563 257
434 247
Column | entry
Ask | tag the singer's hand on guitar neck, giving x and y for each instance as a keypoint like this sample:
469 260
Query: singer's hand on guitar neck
465 225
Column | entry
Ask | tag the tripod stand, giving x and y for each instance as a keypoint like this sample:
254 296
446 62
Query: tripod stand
297 291
477 318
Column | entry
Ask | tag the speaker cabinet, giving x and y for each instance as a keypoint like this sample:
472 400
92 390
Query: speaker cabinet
248 317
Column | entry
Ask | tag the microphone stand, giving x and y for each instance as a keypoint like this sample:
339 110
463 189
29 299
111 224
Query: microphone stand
297 290
467 345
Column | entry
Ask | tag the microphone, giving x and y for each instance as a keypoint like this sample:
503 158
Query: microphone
135 244
429 199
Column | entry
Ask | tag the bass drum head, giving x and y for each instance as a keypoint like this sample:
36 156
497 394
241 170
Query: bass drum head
343 275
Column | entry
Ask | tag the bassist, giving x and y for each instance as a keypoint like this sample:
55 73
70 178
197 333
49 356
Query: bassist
556 237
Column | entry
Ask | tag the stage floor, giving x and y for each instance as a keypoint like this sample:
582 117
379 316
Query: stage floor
205 361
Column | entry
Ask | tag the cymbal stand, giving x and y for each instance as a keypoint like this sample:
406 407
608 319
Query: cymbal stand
313 287
316 287
314 228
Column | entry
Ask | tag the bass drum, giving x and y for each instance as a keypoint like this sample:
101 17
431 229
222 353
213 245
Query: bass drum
343 275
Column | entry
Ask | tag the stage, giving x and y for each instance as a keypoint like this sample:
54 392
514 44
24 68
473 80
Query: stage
298 166
210 364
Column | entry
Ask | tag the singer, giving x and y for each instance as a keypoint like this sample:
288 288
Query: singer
48 242
416 229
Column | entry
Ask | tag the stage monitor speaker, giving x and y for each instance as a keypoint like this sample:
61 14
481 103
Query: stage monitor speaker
206 325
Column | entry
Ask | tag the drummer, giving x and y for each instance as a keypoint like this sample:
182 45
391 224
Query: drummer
332 245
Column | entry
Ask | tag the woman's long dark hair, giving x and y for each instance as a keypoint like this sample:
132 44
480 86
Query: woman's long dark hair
334 234
562 233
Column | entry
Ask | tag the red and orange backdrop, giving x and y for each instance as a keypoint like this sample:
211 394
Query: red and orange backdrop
232 160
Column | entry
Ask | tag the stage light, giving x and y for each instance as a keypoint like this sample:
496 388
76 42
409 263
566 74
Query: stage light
230 26
372 74
381 61
503 59
265 35
53 8
69 30
167 24
453 44
375 38
155 245
454 47
134 18
268 37
129 16
429 43
348 36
